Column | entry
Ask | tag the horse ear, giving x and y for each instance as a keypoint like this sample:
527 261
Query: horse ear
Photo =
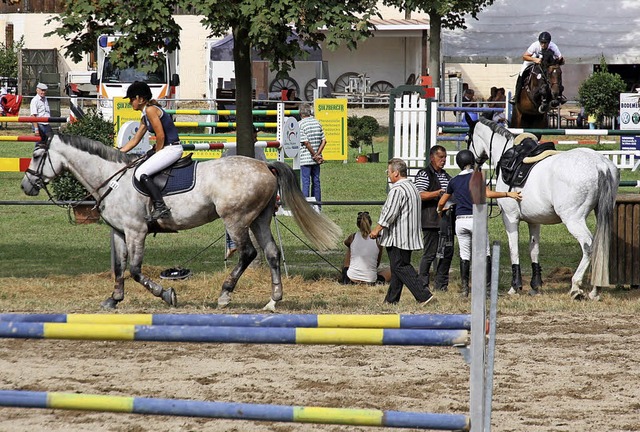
470 121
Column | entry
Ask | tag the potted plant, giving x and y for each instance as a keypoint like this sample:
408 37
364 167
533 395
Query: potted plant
361 132
65 187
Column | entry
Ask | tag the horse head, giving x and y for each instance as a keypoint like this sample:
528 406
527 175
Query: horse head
479 151
552 76
42 169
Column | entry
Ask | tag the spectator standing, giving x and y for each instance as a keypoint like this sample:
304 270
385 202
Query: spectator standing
40 108
399 231
432 183
313 141
459 188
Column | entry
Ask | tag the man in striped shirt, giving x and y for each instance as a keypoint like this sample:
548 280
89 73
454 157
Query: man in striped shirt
312 142
399 231
432 183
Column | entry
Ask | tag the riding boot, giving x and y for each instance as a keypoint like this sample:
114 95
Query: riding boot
465 266
516 94
160 209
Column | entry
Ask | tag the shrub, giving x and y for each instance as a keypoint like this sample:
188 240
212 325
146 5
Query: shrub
361 131
600 93
93 126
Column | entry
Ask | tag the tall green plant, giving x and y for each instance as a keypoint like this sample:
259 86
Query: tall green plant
600 93
93 126
9 58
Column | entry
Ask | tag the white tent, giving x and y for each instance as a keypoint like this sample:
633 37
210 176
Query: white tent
583 29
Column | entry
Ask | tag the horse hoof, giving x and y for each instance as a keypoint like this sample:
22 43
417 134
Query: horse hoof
224 299
271 306
169 296
577 295
513 291
533 292
109 304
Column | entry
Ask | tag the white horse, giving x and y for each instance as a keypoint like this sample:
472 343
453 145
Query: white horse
242 191
563 188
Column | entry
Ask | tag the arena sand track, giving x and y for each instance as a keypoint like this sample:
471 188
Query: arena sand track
554 372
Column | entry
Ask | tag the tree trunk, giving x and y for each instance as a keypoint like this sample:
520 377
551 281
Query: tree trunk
435 27
244 106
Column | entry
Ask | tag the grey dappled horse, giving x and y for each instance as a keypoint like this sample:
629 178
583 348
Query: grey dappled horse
242 191
563 188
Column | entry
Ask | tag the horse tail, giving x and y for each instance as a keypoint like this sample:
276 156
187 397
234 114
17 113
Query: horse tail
608 187
318 228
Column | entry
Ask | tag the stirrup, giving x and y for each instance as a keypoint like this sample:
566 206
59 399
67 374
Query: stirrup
159 212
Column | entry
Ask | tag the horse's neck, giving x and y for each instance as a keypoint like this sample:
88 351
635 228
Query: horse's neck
499 146
90 170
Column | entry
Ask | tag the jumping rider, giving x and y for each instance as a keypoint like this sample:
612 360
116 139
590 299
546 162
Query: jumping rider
166 151
533 55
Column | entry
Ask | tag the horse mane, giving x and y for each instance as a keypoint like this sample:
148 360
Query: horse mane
97 148
495 127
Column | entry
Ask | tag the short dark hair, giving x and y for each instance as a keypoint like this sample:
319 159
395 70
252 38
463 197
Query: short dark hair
436 148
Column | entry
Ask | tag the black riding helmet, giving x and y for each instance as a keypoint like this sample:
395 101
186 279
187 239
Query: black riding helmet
139 88
465 158
544 37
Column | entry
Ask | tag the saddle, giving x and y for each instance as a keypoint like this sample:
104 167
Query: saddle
175 179
517 162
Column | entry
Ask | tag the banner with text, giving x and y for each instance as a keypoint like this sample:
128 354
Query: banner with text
332 115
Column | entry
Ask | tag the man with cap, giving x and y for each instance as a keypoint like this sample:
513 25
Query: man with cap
40 108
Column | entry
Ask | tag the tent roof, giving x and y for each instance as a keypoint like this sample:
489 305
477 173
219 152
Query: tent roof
583 30
222 50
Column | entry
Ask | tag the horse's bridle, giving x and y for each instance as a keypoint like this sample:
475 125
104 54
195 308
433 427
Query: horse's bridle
40 183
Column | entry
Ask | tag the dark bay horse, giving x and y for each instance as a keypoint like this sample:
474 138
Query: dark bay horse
539 94
242 191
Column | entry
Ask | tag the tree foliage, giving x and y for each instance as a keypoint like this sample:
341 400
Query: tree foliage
92 126
600 93
9 58
267 26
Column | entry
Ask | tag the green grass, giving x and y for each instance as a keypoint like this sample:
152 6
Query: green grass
38 241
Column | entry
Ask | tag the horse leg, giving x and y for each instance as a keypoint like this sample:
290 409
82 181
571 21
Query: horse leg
136 253
246 254
534 253
120 265
511 225
262 232
580 231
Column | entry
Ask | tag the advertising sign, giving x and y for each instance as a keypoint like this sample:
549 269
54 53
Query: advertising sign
332 115
629 120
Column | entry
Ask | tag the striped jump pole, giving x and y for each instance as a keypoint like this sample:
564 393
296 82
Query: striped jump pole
236 411
228 112
395 321
223 124
26 138
32 119
226 145
271 335
14 164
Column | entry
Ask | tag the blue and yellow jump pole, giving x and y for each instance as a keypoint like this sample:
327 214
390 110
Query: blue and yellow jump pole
390 321
236 411
223 334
